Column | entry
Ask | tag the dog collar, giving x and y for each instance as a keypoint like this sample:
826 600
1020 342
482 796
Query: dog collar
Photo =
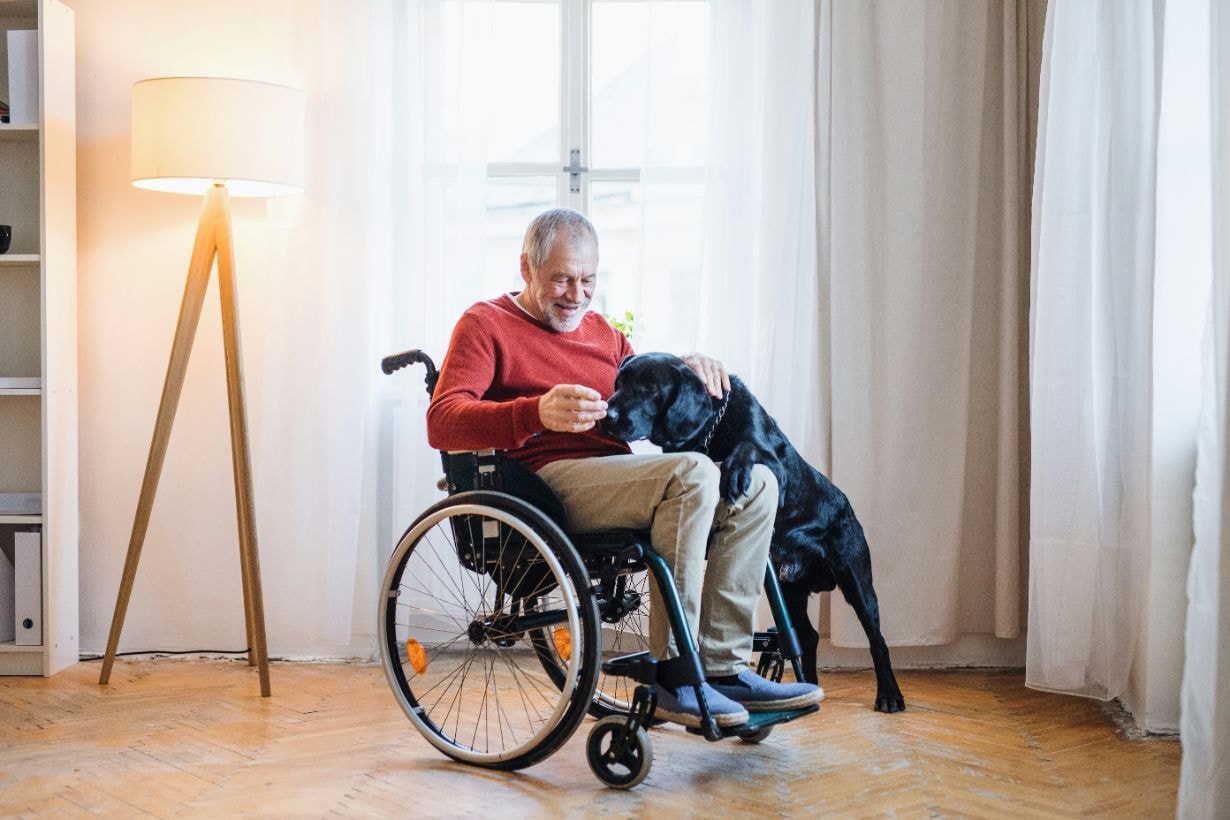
717 421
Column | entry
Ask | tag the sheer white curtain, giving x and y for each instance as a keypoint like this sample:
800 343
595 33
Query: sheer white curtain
363 265
1091 344
1204 788
756 304
922 128
313 362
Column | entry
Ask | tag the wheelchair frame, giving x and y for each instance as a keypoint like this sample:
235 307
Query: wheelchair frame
505 525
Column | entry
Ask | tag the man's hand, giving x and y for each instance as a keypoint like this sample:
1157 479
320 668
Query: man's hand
571 408
712 373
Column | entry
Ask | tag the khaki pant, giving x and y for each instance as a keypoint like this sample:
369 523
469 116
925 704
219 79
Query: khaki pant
675 497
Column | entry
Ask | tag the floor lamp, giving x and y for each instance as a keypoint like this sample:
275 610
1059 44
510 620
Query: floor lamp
220 138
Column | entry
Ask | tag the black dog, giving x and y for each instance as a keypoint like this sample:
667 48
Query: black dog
818 544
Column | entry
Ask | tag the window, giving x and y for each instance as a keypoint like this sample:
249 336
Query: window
599 105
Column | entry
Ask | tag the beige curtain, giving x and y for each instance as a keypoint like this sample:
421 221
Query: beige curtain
923 148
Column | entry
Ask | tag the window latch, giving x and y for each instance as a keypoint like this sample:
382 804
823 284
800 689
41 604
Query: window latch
574 169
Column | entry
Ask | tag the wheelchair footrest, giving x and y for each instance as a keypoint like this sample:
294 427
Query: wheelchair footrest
759 720
762 720
642 667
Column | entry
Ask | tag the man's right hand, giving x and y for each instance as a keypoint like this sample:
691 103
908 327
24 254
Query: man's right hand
571 408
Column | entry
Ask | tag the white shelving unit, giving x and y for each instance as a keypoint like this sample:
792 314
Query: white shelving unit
38 334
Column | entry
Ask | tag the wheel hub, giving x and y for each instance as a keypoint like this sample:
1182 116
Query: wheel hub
477 632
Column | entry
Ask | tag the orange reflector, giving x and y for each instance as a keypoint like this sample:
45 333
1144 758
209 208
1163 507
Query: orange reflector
563 642
416 655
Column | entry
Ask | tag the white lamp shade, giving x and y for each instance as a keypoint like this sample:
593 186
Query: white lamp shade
189 133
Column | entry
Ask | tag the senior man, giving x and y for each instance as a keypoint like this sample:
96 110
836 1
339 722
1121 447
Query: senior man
527 373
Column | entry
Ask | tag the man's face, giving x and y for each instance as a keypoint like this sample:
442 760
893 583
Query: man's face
559 291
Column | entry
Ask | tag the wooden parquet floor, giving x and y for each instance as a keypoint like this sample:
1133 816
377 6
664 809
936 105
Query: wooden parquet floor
194 738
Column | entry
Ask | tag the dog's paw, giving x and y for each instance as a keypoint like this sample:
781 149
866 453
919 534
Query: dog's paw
736 480
890 702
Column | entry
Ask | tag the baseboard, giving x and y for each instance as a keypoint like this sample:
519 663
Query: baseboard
977 651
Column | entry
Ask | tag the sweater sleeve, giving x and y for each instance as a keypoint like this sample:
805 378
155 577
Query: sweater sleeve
459 418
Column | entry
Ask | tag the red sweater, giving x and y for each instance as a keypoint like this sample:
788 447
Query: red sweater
499 362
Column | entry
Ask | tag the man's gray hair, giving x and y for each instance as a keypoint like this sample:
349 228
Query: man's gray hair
540 236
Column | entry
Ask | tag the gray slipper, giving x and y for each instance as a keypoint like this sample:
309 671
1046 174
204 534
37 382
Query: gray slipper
680 706
758 694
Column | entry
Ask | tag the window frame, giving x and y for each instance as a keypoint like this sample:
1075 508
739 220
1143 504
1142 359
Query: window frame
575 94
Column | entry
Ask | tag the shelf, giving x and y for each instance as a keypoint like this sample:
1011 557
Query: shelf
38 337
22 131
11 646
13 259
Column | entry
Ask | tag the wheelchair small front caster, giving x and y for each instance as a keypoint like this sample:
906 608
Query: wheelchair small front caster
618 758
756 735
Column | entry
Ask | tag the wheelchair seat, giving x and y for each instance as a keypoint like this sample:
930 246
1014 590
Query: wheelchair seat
490 470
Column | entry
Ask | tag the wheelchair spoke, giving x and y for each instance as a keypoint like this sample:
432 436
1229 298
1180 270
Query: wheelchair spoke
438 612
541 684
457 695
525 703
458 584
437 652
447 680
481 585
446 584
482 706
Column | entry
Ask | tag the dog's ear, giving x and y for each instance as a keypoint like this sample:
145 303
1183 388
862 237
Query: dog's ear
687 408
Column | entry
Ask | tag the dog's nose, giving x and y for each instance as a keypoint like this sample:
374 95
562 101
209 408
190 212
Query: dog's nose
612 415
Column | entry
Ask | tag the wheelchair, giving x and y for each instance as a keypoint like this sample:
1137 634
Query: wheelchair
499 631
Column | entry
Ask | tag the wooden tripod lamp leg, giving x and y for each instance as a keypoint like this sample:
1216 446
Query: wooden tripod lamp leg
213 239
203 250
241 456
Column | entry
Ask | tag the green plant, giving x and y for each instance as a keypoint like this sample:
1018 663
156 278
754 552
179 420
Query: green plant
623 325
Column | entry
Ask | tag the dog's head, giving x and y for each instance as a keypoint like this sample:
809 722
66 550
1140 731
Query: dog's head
657 397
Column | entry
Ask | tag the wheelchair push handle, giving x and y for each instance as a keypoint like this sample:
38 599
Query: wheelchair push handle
391 364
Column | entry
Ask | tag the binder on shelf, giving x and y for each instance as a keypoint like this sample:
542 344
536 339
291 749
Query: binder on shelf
7 581
21 503
23 76
28 588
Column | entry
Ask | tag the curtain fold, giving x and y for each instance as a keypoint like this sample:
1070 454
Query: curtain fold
312 364
922 268
1091 347
757 303
1204 786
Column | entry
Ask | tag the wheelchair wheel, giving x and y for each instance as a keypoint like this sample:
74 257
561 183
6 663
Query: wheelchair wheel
619 768
468 584
624 635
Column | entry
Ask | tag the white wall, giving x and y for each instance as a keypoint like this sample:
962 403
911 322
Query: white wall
134 247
